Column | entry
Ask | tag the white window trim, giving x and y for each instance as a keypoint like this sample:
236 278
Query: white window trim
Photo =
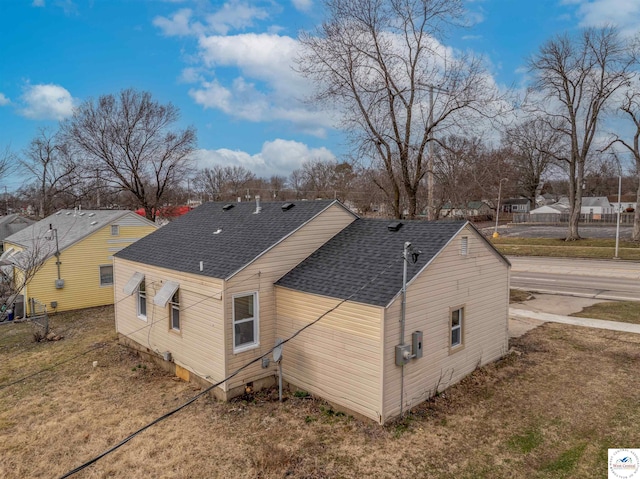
457 347
255 319
117 230
175 306
140 315
109 285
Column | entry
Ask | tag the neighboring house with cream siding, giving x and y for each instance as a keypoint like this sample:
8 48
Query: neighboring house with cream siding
86 241
213 290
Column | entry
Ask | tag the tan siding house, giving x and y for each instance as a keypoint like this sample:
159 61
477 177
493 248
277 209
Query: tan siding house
208 344
329 284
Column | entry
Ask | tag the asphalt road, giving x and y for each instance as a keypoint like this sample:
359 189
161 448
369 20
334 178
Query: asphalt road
599 279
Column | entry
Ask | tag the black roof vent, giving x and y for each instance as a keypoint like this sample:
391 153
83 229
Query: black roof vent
227 207
287 206
395 226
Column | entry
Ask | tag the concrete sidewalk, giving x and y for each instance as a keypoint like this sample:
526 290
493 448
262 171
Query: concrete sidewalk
535 319
554 308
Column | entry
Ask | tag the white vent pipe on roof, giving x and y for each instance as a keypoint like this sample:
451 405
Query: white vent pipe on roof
258 208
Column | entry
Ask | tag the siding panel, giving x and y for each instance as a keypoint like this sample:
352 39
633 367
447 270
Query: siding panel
199 346
480 282
261 274
336 358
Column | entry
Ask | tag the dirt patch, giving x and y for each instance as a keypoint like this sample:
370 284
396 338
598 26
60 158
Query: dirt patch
551 408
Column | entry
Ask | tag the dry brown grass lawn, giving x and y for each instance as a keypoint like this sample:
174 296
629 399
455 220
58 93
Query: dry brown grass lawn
551 410
623 311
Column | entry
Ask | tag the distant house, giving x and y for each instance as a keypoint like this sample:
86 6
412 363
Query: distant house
253 274
81 276
596 206
627 203
11 224
515 205
554 209
472 208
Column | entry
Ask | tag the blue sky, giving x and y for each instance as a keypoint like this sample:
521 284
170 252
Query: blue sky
227 65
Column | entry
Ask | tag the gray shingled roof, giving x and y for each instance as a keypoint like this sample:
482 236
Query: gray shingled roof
71 226
592 201
11 224
346 264
242 236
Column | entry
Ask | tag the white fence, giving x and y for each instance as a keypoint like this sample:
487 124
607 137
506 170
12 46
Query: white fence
559 218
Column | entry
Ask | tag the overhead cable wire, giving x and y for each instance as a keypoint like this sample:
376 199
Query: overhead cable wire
231 376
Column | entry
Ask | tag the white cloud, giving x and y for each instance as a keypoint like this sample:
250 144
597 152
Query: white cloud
4 100
37 3
623 13
232 15
266 87
47 102
176 26
235 15
302 5
277 157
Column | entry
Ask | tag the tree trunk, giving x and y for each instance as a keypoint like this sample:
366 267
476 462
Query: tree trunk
636 217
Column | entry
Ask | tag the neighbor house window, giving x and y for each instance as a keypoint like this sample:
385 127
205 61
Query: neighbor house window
115 230
106 275
464 245
174 311
457 320
142 300
245 321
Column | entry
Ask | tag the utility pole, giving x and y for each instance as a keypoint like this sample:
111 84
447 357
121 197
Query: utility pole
430 200
6 200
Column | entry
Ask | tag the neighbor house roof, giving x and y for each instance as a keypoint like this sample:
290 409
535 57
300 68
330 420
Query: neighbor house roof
516 201
11 224
591 201
224 236
472 205
363 263
71 226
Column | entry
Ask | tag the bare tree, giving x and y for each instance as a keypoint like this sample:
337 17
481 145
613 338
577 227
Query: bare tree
132 139
631 108
381 63
533 145
7 161
19 267
52 169
577 77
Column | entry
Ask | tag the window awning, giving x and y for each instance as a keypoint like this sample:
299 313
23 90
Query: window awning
166 292
133 283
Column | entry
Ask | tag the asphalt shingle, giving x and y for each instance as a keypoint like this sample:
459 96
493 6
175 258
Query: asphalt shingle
224 240
364 261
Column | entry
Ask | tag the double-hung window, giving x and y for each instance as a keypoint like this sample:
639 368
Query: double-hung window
174 311
142 300
106 275
457 319
245 321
